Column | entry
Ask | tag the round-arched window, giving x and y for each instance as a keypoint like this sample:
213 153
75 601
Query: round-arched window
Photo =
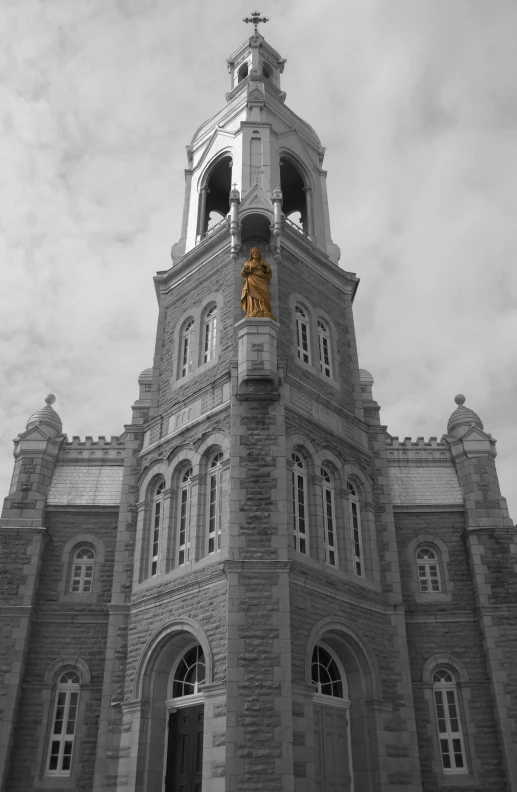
325 673
190 673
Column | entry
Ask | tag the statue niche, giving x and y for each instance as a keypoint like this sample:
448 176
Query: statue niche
255 299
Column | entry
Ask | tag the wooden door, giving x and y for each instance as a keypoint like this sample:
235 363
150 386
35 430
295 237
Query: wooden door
185 750
333 768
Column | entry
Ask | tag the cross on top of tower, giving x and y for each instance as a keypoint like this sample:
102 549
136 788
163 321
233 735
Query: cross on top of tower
256 20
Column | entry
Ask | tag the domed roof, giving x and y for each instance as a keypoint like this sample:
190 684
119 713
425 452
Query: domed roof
462 417
46 416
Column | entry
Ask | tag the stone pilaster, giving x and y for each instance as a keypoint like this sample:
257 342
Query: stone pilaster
259 700
492 547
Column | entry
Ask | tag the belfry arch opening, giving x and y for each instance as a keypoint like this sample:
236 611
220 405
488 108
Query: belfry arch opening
243 72
214 199
295 195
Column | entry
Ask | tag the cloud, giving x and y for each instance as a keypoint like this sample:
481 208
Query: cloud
417 105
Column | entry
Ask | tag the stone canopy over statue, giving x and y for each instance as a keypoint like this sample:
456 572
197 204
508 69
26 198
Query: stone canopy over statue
255 299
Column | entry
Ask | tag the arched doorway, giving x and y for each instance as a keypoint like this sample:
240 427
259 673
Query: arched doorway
333 749
185 716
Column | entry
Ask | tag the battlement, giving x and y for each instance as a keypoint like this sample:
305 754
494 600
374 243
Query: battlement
89 442
91 451
408 442
417 452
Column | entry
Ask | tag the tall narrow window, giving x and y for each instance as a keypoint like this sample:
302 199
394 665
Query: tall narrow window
329 531
215 482
355 522
428 570
324 346
210 334
82 571
157 519
299 505
452 749
186 348
184 517
302 335
63 725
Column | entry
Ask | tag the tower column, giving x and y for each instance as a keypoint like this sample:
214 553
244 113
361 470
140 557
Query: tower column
259 697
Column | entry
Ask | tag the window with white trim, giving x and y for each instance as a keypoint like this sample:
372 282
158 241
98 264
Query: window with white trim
302 335
450 734
210 334
190 673
428 569
82 571
329 521
325 673
355 525
215 502
186 348
324 347
156 527
299 481
185 497
64 723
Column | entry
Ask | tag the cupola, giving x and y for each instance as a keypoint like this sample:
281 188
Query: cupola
47 417
462 418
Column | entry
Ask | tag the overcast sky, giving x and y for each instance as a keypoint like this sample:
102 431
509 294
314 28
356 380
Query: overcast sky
416 103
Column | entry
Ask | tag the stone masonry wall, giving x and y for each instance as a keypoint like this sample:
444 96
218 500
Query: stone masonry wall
293 274
63 629
217 276
447 527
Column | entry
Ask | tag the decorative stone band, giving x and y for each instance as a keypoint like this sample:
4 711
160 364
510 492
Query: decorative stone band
324 415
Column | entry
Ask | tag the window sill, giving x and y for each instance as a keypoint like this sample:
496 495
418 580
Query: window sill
192 374
57 782
309 368
457 779
430 598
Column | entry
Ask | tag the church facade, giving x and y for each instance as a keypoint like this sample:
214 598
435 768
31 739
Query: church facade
255 586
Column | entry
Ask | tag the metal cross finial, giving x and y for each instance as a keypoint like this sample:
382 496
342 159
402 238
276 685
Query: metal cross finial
255 19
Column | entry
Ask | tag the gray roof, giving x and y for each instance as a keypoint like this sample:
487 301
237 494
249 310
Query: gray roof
83 485
425 485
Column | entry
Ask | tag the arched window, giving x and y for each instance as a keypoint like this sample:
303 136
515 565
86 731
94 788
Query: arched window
450 735
157 520
63 725
215 486
210 334
428 570
190 673
214 194
355 523
299 505
329 522
296 195
302 335
324 347
82 571
243 71
325 673
184 517
186 348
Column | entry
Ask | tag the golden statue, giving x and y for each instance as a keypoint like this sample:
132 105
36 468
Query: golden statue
255 299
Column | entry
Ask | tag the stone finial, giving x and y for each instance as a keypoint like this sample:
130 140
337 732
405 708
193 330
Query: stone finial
462 418
50 399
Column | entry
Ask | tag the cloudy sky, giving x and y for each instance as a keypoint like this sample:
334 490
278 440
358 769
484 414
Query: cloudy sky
416 103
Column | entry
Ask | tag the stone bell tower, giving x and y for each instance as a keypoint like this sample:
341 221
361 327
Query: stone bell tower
257 536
